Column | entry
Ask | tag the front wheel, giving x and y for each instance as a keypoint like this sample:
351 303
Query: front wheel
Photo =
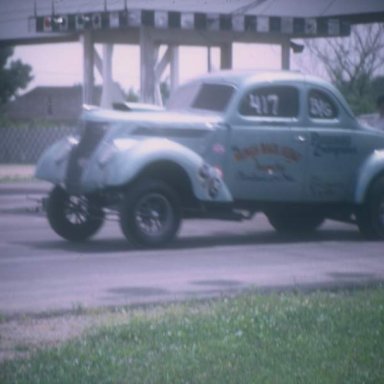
370 216
75 218
150 214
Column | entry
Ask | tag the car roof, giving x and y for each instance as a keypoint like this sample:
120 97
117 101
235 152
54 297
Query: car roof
241 77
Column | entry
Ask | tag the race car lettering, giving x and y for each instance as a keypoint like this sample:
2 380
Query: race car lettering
332 145
264 105
252 152
320 108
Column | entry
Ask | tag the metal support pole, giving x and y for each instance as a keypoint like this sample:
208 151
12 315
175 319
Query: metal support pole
285 54
88 63
170 58
107 93
147 66
209 59
226 56
175 71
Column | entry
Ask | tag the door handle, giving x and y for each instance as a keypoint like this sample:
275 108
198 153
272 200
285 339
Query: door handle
300 138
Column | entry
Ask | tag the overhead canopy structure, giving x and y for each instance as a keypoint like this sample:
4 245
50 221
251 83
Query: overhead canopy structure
173 23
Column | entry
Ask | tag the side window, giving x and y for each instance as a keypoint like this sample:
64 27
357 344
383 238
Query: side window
321 106
276 101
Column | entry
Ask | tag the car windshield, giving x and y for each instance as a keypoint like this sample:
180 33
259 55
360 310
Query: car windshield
201 96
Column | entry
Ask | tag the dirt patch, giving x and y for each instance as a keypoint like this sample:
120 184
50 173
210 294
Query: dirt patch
19 337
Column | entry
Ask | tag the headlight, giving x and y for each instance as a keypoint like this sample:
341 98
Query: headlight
64 150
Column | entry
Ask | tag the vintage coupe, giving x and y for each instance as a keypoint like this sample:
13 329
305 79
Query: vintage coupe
229 145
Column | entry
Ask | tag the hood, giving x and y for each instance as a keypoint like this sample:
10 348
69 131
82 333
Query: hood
192 130
155 118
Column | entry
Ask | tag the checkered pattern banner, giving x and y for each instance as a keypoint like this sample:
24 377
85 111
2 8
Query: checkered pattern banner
292 26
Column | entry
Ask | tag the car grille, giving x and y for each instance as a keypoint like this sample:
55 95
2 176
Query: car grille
92 135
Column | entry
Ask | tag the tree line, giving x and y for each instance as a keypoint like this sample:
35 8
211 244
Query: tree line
354 64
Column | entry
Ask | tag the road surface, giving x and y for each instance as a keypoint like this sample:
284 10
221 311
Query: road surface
40 272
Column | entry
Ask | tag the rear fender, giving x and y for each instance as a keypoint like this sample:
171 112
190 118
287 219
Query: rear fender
372 167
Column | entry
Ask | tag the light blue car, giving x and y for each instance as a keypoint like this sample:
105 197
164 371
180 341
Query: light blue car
229 145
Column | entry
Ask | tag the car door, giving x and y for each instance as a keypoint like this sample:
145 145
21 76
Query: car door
267 160
334 155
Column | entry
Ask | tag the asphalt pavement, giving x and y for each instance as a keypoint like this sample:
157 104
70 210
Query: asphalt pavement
19 189
39 271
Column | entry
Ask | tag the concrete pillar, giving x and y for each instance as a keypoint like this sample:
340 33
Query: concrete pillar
148 58
88 64
285 54
226 56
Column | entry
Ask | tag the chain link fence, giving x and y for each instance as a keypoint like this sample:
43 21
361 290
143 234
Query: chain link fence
24 145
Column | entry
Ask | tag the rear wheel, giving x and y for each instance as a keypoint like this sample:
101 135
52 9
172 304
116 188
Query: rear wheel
370 216
75 218
150 214
294 222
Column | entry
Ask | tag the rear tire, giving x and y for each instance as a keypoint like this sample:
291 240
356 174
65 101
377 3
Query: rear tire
294 222
75 218
150 214
370 216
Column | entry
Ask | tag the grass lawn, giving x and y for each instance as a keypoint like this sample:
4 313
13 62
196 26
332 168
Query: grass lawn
285 338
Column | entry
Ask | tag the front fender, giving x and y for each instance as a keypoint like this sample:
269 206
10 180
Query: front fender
118 165
372 167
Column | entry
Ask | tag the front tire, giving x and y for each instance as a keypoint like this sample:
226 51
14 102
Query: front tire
75 218
370 216
150 214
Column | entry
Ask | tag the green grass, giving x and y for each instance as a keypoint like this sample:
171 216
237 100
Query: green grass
279 338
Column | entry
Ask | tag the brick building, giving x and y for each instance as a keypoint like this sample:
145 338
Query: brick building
49 103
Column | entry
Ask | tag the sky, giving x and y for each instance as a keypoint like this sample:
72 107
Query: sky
61 64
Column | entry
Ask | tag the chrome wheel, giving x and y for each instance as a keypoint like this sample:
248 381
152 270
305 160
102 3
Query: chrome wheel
77 210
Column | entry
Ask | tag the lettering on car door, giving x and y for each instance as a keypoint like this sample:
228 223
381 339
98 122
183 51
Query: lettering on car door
333 154
267 163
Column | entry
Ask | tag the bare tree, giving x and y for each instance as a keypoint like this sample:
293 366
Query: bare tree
351 63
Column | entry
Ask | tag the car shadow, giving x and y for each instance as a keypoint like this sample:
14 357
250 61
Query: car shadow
103 244
267 237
